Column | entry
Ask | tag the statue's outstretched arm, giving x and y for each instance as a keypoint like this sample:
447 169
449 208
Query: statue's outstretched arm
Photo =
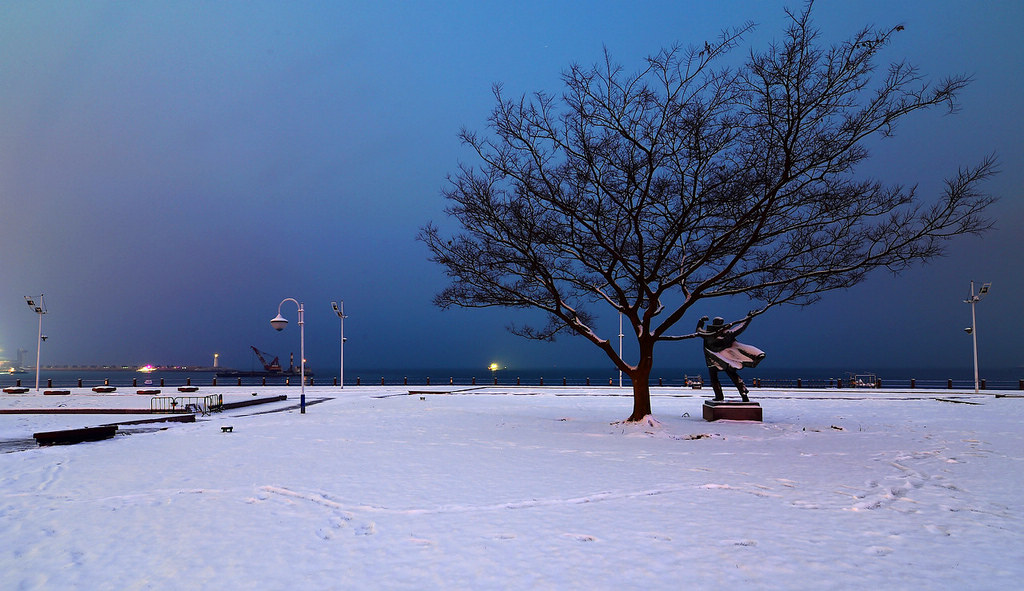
740 325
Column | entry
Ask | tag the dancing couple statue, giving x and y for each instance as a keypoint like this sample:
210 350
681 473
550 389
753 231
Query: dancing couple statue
724 353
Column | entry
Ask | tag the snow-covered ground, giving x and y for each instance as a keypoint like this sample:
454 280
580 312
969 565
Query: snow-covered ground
521 488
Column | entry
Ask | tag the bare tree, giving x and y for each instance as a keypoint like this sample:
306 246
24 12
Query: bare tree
649 192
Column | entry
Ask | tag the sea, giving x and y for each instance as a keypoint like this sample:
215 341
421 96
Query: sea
939 378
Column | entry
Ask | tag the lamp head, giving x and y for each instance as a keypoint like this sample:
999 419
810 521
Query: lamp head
968 330
36 303
279 322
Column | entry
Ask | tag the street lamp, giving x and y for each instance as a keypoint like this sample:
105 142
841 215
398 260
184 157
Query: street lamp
620 347
39 307
279 322
339 309
972 329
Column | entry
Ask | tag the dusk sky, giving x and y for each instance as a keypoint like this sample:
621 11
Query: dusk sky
170 171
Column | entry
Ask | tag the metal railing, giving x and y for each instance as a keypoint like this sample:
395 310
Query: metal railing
194 404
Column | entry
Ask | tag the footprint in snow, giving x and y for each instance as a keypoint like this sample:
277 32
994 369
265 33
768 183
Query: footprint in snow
423 541
805 505
581 537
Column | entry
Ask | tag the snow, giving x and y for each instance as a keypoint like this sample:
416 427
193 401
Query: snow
496 488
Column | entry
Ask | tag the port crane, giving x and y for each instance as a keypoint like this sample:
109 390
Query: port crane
274 366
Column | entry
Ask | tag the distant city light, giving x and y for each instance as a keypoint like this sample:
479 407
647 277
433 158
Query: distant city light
494 367
147 368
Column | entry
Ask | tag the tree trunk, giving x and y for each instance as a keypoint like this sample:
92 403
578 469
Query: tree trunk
641 395
641 378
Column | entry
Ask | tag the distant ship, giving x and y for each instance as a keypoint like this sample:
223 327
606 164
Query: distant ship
233 373
270 368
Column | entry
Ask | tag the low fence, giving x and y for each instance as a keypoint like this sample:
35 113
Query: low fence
697 382
199 404
674 381
899 384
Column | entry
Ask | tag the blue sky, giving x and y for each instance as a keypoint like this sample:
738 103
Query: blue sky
170 171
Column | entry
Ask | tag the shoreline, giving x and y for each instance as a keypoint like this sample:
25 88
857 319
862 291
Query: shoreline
697 380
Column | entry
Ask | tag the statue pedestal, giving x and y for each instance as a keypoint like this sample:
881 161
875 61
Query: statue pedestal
731 411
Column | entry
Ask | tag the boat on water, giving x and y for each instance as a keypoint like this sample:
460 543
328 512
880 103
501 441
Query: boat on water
862 380
271 368
232 373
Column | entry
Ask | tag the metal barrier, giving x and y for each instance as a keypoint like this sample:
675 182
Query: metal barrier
199 404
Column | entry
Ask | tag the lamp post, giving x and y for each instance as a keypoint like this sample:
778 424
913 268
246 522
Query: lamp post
279 322
972 330
339 309
39 308
620 347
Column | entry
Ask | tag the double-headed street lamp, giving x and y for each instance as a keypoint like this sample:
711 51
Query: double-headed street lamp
37 305
339 309
972 330
279 322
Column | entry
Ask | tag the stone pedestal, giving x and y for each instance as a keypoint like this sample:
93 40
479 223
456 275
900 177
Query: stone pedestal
731 411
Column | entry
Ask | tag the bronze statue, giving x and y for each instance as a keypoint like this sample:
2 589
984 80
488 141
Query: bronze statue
723 353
